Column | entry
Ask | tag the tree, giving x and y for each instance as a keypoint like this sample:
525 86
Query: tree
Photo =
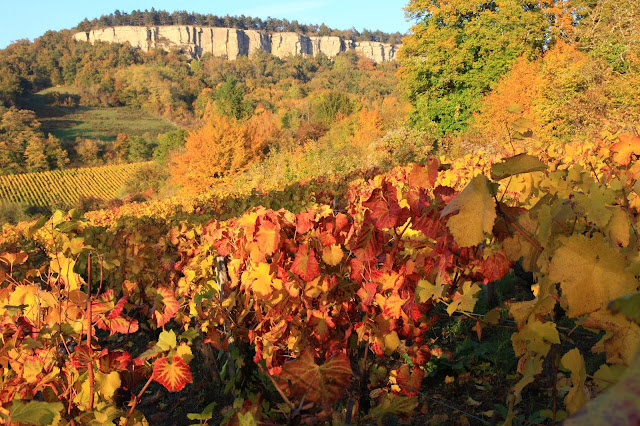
218 149
458 48
222 148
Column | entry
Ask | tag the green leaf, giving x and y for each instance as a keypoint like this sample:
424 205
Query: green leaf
628 306
167 340
521 163
34 412
36 226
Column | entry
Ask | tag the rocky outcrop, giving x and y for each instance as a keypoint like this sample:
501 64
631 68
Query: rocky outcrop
231 43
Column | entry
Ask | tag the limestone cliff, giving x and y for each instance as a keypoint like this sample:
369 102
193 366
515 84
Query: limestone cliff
230 42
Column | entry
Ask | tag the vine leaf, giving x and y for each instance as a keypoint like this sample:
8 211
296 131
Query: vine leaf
628 305
476 213
166 306
260 280
623 150
369 241
323 384
590 273
622 337
576 398
521 163
617 406
305 264
332 255
107 314
173 374
385 210
424 176
408 381
34 412
268 237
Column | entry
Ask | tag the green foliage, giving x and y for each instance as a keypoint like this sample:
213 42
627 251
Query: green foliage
458 49
167 143
230 100
327 106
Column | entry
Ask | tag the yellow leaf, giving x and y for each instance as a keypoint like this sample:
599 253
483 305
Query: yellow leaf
576 398
107 384
167 340
185 352
622 337
332 255
64 268
260 279
466 300
619 227
476 213
591 274
391 342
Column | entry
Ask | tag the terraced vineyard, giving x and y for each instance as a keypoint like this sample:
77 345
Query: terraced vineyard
66 186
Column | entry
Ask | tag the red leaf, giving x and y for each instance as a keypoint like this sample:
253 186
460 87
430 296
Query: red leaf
369 242
165 306
409 382
367 293
323 384
304 221
495 266
305 264
385 210
114 361
173 375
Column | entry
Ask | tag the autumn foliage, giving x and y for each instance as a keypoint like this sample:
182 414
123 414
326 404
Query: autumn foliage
221 148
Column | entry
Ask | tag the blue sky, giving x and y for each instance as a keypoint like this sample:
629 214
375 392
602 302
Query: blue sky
31 19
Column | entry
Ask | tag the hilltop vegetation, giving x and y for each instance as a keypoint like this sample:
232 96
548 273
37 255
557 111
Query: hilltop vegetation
160 17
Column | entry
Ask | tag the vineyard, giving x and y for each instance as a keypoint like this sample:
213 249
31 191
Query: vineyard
66 187
326 311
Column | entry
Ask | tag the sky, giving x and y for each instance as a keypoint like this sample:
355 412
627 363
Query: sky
30 19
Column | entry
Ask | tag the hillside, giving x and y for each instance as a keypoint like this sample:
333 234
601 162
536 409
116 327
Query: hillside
447 238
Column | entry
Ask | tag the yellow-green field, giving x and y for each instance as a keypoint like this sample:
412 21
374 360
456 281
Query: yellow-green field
66 187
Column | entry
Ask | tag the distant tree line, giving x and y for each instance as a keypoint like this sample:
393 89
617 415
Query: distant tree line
160 17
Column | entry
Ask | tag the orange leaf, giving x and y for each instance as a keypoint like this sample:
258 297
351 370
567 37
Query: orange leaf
622 151
323 384
306 264
173 375
165 307
409 382
268 237
424 177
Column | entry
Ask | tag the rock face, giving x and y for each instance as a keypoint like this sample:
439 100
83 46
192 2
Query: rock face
230 42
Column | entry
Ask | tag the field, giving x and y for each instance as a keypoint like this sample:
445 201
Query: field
65 187
68 122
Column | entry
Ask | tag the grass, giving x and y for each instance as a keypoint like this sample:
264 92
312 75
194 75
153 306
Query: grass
70 122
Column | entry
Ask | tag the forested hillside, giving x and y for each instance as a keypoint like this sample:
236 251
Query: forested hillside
452 239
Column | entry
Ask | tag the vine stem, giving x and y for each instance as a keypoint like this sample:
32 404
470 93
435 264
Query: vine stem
555 383
137 398
284 397
92 381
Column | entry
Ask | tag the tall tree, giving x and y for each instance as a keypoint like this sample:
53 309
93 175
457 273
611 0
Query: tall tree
458 48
